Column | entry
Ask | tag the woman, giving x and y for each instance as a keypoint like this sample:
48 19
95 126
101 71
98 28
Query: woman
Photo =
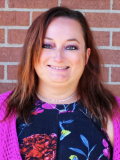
59 109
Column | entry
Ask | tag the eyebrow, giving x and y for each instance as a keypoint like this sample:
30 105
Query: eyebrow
48 38
72 39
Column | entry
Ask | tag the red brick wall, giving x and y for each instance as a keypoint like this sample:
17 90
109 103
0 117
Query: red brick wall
17 15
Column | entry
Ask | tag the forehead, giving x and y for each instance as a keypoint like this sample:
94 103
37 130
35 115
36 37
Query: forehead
63 26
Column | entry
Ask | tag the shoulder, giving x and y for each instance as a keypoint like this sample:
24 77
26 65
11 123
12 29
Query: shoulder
118 101
3 104
116 126
113 124
4 96
116 114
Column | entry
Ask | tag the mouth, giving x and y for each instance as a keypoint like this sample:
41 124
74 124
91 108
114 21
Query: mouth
58 68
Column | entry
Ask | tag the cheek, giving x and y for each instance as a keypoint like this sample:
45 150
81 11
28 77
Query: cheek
37 68
78 60
79 68
79 65
45 56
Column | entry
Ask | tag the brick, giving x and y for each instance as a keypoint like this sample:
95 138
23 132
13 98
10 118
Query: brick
105 74
110 56
115 74
12 72
35 15
2 36
106 20
2 3
4 87
83 4
1 72
116 4
116 39
16 36
32 3
14 18
10 54
101 38
115 89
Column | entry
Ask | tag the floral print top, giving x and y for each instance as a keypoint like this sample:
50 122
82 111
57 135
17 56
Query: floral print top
62 132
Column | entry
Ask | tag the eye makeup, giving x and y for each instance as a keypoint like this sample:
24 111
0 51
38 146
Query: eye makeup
47 46
71 47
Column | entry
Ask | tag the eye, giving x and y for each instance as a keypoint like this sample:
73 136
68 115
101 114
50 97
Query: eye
71 48
47 46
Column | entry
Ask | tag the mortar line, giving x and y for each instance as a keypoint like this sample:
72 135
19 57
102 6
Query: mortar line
5 72
11 45
59 2
111 38
23 9
31 13
6 4
112 65
111 5
98 11
105 29
42 10
112 83
109 47
6 35
8 81
109 80
14 27
9 63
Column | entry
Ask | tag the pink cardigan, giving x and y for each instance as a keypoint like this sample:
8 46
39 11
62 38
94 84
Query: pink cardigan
9 145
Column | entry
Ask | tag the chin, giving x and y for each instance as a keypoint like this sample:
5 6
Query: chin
59 79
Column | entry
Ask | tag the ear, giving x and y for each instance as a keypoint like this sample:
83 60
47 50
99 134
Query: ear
87 55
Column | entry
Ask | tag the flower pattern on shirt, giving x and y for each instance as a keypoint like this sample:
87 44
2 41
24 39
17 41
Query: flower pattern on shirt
59 128
39 146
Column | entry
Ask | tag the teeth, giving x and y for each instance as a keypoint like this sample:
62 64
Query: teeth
58 67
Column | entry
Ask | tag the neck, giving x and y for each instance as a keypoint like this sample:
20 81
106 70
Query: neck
57 93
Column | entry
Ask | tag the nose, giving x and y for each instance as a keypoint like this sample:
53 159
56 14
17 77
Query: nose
58 55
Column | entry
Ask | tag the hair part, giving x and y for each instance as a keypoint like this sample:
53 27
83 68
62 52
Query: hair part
98 100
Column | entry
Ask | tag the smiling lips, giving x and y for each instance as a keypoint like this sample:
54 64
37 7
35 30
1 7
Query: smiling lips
58 68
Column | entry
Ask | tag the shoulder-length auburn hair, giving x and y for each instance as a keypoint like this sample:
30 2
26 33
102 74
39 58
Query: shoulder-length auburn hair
98 100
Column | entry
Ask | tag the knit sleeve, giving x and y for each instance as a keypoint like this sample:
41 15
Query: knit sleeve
116 125
9 146
2 104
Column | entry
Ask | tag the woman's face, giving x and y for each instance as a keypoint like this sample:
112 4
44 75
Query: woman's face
63 55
